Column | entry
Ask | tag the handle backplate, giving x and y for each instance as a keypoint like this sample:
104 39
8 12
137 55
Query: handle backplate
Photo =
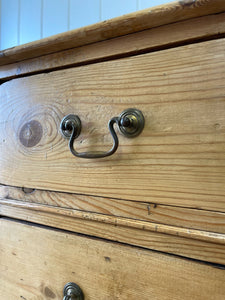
72 291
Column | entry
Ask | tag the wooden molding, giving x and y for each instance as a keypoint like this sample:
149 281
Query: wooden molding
119 221
206 246
151 212
162 37
120 26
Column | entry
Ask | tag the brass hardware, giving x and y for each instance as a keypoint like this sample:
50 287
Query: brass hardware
130 123
68 123
72 291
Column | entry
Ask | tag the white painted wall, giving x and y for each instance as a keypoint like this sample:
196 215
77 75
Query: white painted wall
23 21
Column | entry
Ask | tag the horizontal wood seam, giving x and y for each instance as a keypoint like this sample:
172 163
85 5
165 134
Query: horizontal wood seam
113 57
119 221
33 224
97 196
206 251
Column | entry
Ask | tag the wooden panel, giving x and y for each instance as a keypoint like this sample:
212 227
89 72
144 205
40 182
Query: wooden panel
179 158
138 21
149 40
36 263
170 215
206 246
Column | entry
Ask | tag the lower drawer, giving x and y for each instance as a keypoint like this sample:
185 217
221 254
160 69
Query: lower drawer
36 263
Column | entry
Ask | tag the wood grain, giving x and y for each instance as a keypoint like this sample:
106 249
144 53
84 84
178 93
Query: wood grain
179 158
167 36
205 246
40 268
170 215
118 221
134 22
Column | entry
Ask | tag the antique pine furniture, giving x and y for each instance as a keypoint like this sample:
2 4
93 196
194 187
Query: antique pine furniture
148 221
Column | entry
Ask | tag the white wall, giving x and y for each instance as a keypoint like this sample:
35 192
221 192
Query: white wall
23 21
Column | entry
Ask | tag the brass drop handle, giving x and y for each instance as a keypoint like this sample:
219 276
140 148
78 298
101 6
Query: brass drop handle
130 122
72 291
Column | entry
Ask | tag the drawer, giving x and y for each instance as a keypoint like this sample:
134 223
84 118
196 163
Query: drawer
179 157
36 263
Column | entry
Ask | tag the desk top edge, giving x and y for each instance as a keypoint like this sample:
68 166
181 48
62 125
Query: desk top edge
127 24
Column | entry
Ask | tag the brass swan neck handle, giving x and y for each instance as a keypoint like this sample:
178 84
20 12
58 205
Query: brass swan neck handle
130 123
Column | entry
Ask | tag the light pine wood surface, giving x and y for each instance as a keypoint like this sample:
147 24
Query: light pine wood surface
36 263
163 191
178 159
119 221
130 23
169 215
201 245
167 36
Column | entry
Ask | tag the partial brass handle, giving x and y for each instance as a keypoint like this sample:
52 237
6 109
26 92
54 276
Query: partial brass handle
130 122
72 291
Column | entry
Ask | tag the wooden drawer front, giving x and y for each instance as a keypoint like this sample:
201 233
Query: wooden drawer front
36 263
178 159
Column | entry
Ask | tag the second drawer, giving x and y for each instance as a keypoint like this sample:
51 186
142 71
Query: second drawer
37 262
